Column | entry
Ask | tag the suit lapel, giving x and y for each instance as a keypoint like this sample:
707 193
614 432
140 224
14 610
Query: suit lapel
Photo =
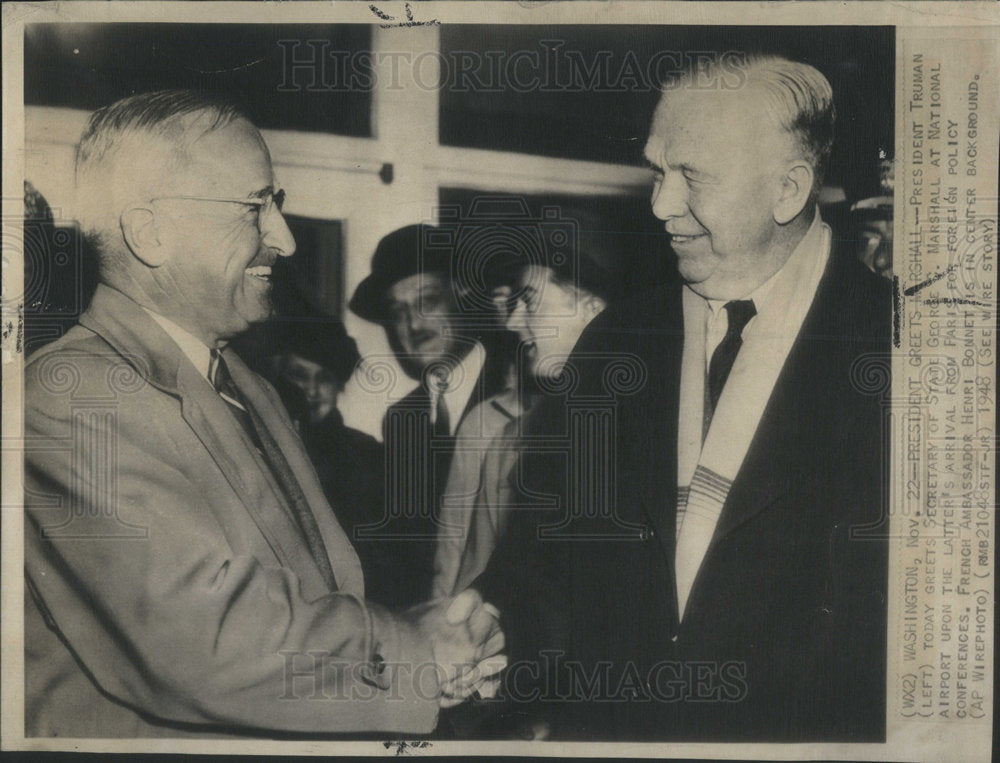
141 342
340 552
777 443
666 405
237 458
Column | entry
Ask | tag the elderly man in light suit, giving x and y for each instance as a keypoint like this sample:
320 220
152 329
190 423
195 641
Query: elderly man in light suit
184 573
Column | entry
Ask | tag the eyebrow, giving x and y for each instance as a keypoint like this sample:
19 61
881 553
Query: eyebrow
682 167
704 175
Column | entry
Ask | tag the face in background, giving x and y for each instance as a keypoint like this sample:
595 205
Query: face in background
549 317
875 236
318 385
720 162
419 323
500 299
216 280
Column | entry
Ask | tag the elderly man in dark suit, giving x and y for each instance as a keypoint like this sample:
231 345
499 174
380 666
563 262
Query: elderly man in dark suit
459 360
184 573
721 577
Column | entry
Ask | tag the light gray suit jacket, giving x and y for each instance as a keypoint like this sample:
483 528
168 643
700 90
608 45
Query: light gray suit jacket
169 589
479 495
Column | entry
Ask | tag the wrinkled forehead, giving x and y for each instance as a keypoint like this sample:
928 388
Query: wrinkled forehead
231 160
534 275
712 119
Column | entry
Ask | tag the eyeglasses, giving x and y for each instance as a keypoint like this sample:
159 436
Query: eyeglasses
265 204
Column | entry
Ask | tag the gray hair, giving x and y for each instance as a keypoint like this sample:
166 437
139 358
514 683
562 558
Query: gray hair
796 94
131 147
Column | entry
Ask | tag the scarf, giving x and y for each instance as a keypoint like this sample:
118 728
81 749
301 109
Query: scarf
706 471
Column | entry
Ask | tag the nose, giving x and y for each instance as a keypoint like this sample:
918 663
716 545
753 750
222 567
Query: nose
516 320
414 319
670 196
276 235
509 321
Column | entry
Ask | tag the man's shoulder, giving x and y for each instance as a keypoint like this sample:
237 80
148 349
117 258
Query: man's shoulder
411 399
71 358
491 417
859 298
636 322
83 366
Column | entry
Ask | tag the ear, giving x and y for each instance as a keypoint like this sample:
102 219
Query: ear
142 236
796 188
593 306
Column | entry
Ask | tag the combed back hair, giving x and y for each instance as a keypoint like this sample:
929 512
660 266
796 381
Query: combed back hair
796 94
132 148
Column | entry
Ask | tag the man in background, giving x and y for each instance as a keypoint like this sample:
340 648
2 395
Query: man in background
550 303
411 294
184 573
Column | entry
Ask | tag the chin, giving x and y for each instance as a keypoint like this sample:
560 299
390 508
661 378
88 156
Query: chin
257 313
694 270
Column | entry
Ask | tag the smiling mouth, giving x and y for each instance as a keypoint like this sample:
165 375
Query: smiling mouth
676 238
262 272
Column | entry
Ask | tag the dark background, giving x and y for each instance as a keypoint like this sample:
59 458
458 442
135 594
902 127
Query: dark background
86 66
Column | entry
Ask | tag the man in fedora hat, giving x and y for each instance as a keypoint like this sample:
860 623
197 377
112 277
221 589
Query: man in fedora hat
457 360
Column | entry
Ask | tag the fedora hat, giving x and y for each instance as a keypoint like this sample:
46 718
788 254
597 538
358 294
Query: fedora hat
400 254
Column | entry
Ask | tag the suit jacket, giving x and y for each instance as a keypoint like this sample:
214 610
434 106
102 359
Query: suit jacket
416 476
479 493
169 587
784 634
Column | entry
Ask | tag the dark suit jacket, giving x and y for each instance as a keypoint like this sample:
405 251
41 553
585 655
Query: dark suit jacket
351 469
168 585
784 635
416 474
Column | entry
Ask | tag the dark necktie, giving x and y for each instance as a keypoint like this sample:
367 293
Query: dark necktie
280 468
442 423
740 312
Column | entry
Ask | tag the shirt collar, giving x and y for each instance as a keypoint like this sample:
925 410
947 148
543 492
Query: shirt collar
196 350
462 381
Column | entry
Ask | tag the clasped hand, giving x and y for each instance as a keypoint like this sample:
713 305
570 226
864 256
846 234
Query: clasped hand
466 641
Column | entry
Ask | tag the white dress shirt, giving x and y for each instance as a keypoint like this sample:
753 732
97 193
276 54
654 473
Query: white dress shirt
460 383
196 350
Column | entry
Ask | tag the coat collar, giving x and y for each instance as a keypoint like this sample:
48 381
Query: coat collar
777 443
134 335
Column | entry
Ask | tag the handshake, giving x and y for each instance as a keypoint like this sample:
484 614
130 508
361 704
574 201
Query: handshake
465 639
